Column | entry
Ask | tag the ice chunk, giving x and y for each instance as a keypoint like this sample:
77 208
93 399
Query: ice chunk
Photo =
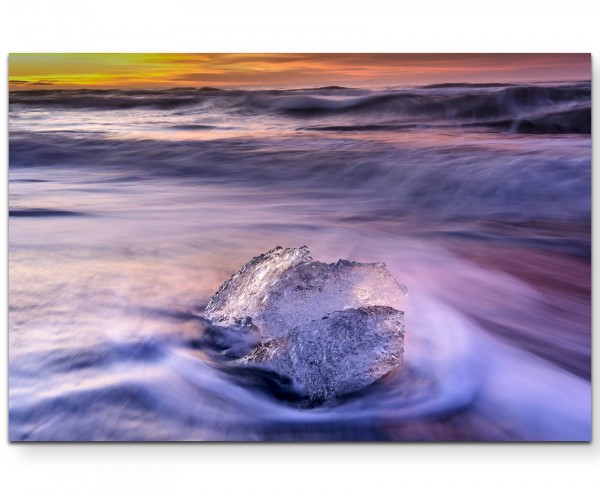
338 354
285 288
331 328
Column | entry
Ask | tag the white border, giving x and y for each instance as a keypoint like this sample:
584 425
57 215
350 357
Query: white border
297 26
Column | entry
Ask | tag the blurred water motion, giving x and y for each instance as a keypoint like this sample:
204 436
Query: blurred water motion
127 211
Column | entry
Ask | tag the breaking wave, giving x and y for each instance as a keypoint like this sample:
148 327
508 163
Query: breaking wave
550 109
389 180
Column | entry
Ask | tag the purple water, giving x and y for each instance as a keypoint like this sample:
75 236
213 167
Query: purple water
130 208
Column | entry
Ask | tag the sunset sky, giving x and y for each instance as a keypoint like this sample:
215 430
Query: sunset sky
148 70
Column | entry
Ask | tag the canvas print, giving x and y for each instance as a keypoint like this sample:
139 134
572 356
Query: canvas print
299 247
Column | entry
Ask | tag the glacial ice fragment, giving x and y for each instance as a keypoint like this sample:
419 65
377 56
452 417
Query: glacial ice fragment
331 328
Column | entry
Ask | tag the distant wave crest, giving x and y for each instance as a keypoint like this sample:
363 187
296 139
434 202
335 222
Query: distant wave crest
562 108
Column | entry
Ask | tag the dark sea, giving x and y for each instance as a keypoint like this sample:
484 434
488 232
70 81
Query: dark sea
128 210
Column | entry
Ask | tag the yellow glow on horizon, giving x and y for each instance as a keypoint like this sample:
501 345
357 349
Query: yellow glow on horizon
155 70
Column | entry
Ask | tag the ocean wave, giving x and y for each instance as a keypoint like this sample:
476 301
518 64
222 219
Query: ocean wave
42 213
295 104
445 181
192 127
563 108
372 127
517 109
572 121
568 121
102 100
461 85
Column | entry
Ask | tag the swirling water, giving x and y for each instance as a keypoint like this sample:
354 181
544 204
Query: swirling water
128 209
